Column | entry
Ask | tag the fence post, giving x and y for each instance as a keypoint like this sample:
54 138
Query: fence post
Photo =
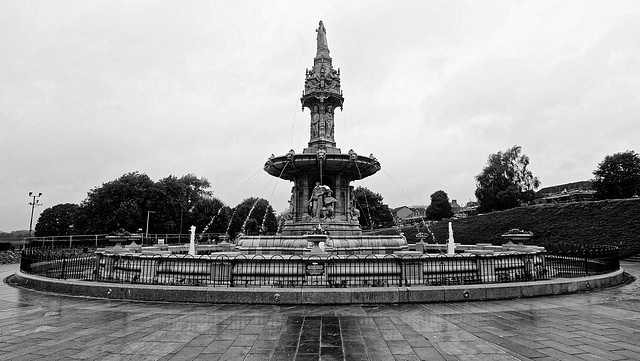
586 266
232 265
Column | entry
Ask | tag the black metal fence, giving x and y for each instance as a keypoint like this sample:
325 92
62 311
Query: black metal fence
315 271
101 240
575 259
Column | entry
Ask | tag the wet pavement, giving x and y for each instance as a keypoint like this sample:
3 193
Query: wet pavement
599 325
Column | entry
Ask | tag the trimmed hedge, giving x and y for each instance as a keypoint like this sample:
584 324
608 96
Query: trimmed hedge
608 222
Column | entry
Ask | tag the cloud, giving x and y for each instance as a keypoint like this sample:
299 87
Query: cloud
92 91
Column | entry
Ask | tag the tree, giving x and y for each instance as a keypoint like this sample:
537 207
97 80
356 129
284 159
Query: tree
177 204
505 182
440 207
122 203
252 216
209 215
57 220
21 234
175 200
618 176
373 212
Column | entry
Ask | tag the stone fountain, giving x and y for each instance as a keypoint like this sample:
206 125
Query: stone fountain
321 177
321 243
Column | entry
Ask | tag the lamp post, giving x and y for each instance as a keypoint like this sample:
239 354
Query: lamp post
181 212
146 233
34 203
180 229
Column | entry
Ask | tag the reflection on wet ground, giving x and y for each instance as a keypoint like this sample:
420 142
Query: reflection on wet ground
600 325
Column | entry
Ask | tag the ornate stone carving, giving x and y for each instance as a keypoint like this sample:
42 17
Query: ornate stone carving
322 154
269 162
290 155
353 156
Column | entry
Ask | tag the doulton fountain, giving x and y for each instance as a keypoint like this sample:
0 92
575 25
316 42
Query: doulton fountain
322 207
292 268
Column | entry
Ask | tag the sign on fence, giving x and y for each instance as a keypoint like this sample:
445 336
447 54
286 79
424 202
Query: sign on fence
314 269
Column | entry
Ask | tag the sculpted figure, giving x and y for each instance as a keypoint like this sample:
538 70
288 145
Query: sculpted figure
291 211
354 212
322 37
316 200
328 121
330 204
321 154
353 156
288 216
333 79
290 155
324 213
315 122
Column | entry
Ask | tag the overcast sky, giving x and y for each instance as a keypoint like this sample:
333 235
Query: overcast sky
91 90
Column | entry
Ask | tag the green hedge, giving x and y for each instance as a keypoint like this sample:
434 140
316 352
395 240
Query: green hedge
609 222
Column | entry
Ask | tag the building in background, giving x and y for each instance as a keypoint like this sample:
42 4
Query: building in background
566 193
407 215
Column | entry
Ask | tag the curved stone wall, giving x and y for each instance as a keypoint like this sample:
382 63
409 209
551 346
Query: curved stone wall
323 296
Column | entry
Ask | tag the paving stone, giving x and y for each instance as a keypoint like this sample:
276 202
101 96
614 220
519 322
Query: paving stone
604 324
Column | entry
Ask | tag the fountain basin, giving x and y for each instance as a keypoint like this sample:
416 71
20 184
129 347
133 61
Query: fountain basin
317 279
358 270
337 245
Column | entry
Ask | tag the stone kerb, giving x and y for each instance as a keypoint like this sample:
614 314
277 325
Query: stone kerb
297 296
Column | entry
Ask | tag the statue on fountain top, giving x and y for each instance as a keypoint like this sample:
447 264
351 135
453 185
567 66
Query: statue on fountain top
322 37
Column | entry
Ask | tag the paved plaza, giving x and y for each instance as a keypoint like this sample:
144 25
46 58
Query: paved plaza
601 325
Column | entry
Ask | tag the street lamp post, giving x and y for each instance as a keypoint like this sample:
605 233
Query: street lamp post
181 212
146 233
180 229
34 203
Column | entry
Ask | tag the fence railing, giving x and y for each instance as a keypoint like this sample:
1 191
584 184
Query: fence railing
571 259
315 271
100 240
